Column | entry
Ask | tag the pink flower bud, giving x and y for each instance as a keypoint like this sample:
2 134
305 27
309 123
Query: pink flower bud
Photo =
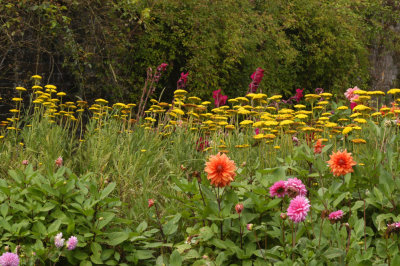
59 161
151 203
239 208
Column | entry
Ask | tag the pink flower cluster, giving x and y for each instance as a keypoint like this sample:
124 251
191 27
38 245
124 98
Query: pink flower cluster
292 187
182 81
9 259
351 96
396 225
299 205
161 68
256 77
71 242
219 99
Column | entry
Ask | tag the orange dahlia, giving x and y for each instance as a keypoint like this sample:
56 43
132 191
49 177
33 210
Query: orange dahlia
220 170
341 163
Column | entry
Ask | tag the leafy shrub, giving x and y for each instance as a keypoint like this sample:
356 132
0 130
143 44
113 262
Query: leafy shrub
34 208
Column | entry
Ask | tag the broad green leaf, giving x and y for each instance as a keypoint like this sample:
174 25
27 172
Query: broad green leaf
117 238
175 259
107 190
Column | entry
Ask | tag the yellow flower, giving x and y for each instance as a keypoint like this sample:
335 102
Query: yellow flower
299 106
361 107
277 147
360 92
359 141
376 93
258 124
36 87
286 122
231 127
275 97
376 114
180 92
246 122
36 77
355 115
347 130
312 96
308 129
330 124
20 89
326 94
178 111
393 91
360 120
233 101
101 101
51 87
269 136
258 136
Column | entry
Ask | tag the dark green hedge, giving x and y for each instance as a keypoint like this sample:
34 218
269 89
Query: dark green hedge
103 48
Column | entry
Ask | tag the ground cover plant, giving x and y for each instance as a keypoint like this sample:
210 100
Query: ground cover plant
252 180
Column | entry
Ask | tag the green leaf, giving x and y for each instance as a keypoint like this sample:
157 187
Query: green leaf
96 248
333 253
339 199
273 203
107 217
141 227
144 254
80 255
39 228
106 191
206 233
219 243
175 259
85 263
117 238
4 209
378 195
54 226
96 259
220 258
357 205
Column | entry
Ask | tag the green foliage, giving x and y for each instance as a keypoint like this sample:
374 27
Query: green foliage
34 208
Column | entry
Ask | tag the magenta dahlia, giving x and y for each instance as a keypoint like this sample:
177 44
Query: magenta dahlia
335 216
278 189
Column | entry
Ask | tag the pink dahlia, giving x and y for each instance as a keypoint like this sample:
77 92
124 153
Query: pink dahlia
298 209
72 242
294 187
9 259
350 93
278 189
335 216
